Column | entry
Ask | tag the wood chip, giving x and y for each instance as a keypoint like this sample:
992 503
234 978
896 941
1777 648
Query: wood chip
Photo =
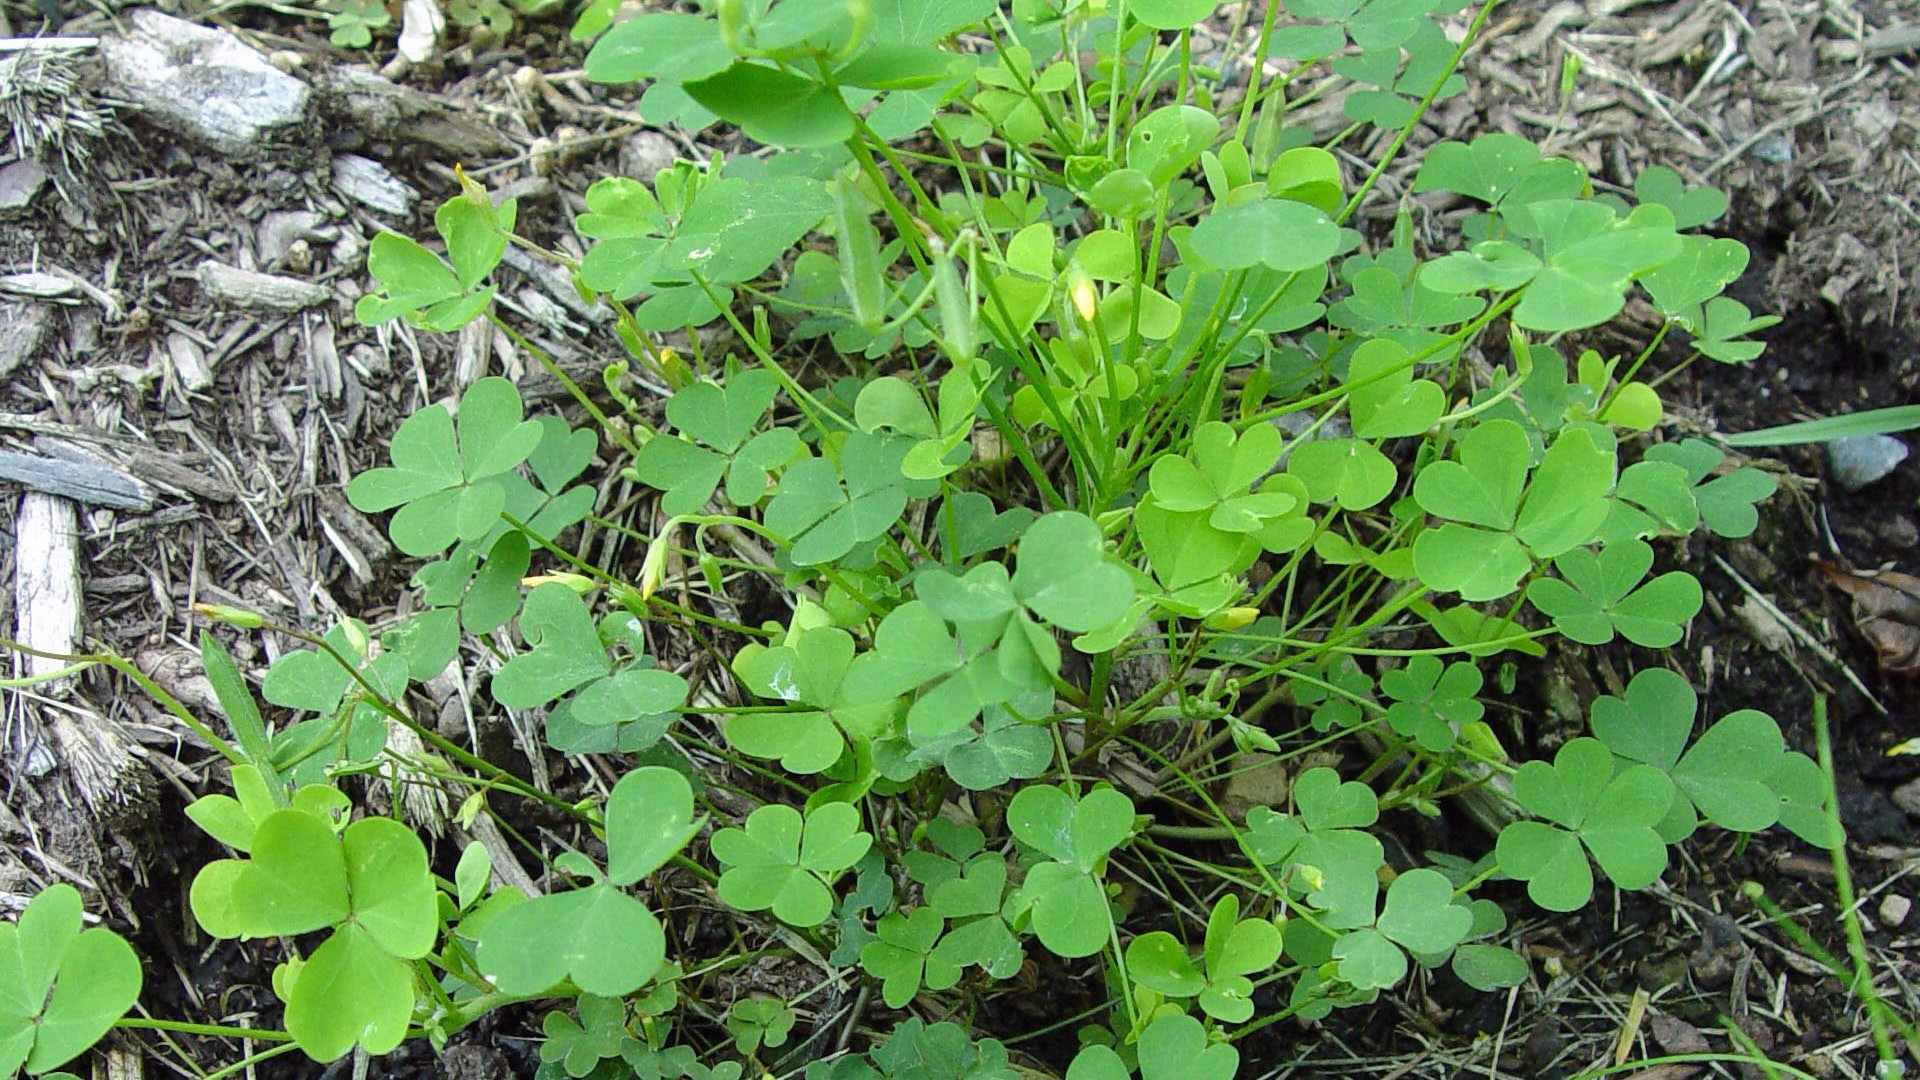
252 289
189 363
90 483
23 331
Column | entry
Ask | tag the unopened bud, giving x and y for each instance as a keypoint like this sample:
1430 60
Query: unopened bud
1232 618
232 616
1080 289
579 583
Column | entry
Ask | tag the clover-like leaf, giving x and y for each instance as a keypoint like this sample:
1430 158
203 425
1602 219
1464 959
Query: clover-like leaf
350 991
1420 914
1725 771
1430 698
1726 503
1157 961
1175 1047
441 480
1368 960
1385 400
1651 723
1327 802
900 957
605 941
669 45
1351 472
61 987
824 517
1064 575
1077 832
779 860
565 650
1599 593
759 1021
1614 816
1277 233
649 817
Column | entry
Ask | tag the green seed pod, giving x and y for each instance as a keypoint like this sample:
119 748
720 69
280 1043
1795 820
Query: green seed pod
957 327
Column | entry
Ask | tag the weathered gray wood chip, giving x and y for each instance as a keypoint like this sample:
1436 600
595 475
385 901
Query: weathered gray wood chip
96 485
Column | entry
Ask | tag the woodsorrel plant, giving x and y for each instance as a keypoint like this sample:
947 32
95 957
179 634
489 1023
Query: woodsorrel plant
1107 344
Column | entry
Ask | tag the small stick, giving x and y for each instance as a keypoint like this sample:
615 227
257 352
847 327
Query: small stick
1805 636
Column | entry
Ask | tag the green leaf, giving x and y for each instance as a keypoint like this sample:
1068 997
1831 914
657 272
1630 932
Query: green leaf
775 107
1160 963
1420 914
1726 771
1703 269
649 817
564 651
1077 832
243 716
666 45
350 991
296 880
1176 1048
61 988
1591 259
722 416
759 1021
1887 421
1565 502
1487 968
1550 861
1369 961
444 484
1277 233
778 860
1483 487
923 22
390 886
1068 908
1477 564
1171 14
1097 1062
825 519
1613 815
1651 723
1495 166
1430 698
410 277
1348 471
1802 790
1602 593
607 942
898 958
1394 403
1691 208
1064 575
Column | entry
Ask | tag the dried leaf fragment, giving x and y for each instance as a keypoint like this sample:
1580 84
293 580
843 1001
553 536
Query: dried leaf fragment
1886 609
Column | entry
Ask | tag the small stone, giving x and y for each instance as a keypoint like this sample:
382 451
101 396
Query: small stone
1894 910
252 289
645 153
202 83
1862 459
368 183
1907 797
19 183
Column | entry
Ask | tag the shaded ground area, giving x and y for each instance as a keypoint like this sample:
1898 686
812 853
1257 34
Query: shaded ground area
232 411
